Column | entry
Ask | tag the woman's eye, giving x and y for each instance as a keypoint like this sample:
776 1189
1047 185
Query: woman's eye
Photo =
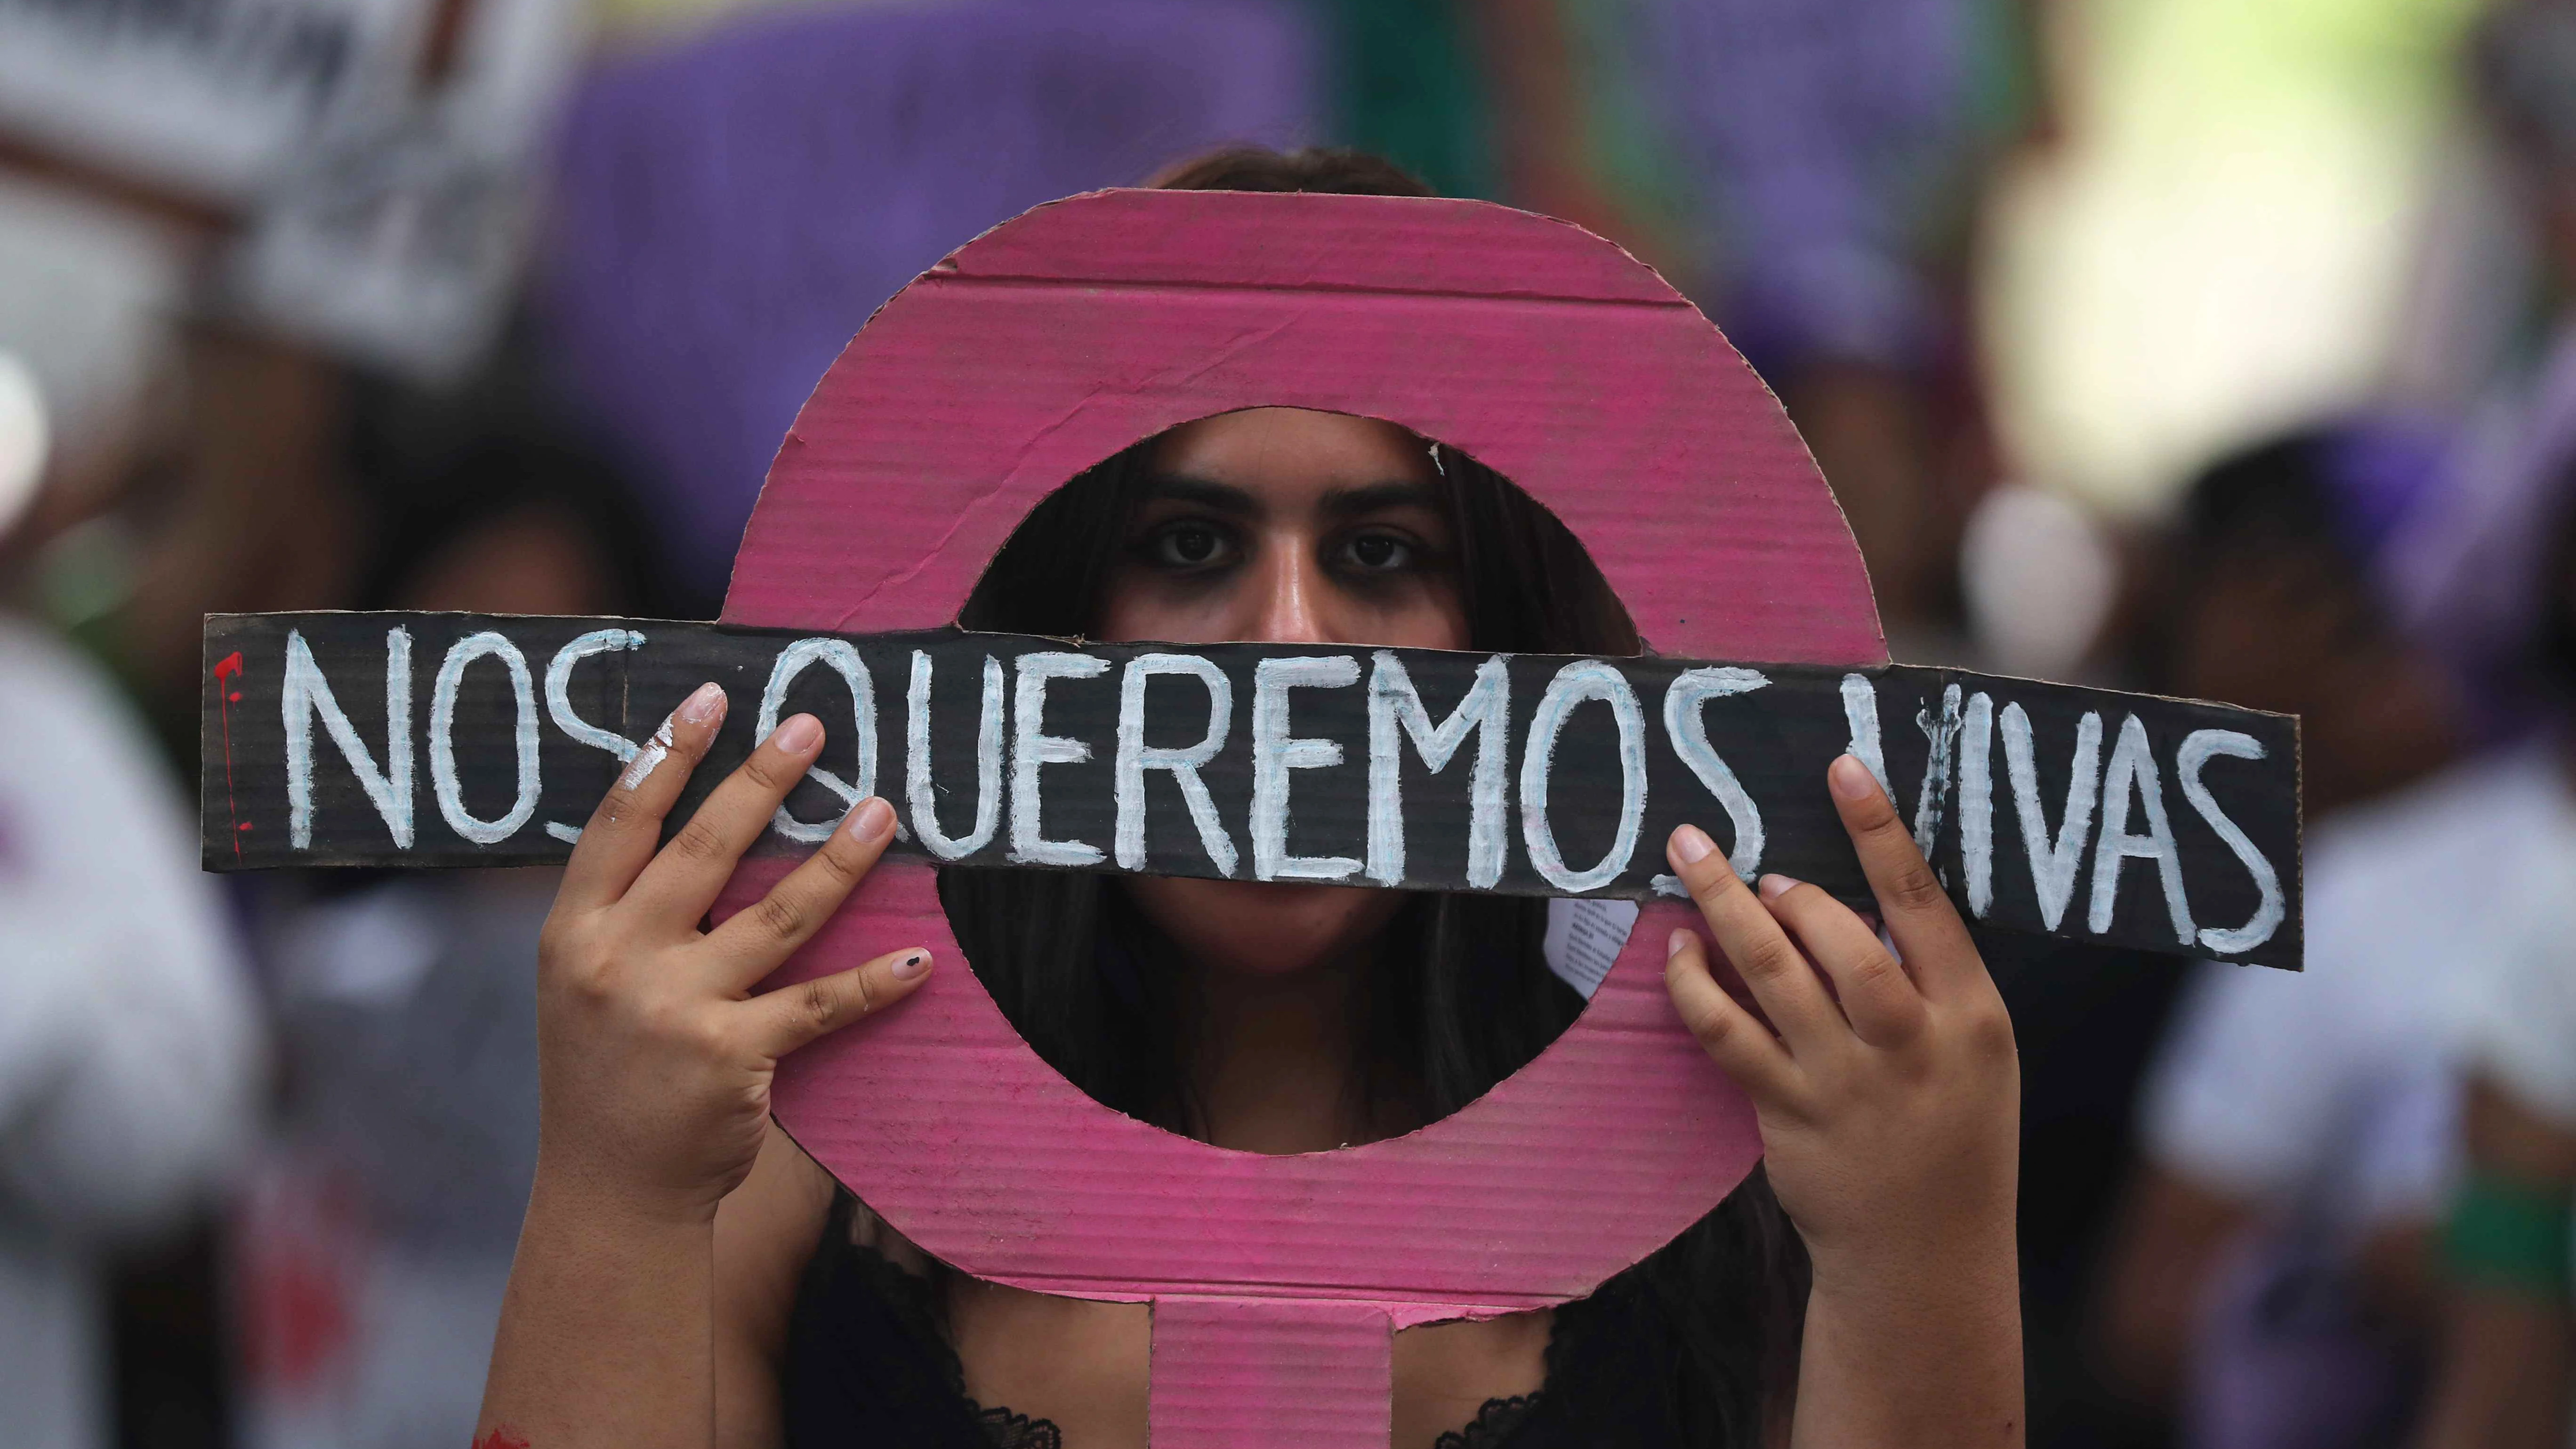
1187 546
1379 553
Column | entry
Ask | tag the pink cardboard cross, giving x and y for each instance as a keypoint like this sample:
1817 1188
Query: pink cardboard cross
1082 327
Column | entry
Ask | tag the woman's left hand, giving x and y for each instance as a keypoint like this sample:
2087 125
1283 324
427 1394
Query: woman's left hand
1889 1107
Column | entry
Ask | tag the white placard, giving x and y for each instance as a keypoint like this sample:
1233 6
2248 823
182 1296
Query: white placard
213 98
1584 937
384 214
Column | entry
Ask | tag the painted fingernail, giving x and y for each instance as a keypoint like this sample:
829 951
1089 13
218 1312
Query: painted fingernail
1689 846
871 822
1850 779
798 735
1773 887
1678 944
912 967
705 703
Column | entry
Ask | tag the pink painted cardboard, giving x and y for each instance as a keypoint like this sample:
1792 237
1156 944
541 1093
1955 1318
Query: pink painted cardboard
1086 325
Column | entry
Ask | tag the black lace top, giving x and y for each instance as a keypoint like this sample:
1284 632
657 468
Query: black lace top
869 1362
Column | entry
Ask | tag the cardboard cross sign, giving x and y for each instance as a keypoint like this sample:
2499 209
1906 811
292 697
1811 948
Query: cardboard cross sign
2119 819
1082 328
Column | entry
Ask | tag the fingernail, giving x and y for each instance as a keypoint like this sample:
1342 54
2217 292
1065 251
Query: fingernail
1689 846
1679 943
871 822
1849 779
798 735
705 703
1773 887
912 967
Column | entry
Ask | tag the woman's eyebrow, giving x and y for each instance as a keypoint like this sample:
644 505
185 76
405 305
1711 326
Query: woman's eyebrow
1217 497
1370 498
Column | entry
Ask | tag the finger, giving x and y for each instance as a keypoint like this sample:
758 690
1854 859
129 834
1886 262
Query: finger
757 939
1782 982
1726 1031
791 1016
1876 995
687 874
621 835
1926 927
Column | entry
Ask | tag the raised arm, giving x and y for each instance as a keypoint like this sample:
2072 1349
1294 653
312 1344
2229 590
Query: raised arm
2502 1377
656 1063
1889 1110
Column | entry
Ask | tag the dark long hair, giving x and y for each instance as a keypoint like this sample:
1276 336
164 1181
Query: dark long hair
1459 995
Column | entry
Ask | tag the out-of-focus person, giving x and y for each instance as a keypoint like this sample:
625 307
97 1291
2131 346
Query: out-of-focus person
2509 1320
2510 1336
374 1241
129 1042
2508 1350
2303 1134
2263 1281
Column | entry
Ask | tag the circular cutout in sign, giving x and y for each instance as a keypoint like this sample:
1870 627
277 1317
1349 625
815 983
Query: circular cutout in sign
1086 325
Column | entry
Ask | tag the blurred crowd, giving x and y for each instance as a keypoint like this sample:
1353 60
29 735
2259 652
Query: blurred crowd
2218 348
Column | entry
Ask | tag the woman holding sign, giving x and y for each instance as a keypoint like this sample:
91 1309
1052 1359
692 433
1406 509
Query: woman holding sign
686 1271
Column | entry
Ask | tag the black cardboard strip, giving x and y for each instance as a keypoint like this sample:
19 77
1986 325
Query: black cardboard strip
2128 820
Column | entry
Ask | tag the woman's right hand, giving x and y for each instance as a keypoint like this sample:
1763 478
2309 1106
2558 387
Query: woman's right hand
655 1057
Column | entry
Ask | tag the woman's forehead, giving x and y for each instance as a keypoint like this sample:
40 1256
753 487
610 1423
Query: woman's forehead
1288 450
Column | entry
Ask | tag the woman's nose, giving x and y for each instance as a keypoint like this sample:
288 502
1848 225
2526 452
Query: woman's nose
1290 596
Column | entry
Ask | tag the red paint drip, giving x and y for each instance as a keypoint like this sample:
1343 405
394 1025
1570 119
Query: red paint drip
500 1436
230 667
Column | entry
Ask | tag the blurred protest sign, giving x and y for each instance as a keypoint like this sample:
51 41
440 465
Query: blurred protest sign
208 99
366 158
